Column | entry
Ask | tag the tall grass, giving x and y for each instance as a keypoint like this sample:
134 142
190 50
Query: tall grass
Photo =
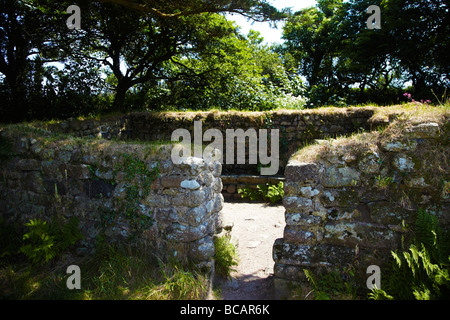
112 274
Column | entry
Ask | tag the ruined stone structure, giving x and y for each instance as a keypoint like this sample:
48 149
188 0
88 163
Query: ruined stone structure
349 204
344 205
106 185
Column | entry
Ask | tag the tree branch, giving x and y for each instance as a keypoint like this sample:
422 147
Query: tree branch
205 8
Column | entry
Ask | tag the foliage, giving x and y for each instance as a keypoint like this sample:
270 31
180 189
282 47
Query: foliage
49 71
383 183
272 193
345 62
117 272
233 72
185 55
45 241
332 285
182 284
225 256
138 181
422 271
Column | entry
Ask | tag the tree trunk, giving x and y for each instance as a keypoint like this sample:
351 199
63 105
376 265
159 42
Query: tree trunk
119 99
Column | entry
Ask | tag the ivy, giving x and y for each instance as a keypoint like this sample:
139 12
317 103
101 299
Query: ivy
138 181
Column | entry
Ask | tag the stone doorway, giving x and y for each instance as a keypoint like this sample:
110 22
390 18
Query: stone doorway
255 227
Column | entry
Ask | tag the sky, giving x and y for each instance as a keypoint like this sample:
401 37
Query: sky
271 35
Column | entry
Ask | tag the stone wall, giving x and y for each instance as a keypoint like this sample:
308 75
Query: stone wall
346 199
295 127
105 184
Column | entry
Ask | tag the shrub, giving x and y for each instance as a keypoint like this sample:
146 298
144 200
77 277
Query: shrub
272 193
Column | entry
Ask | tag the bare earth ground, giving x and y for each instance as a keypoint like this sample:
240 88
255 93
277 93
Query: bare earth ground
255 228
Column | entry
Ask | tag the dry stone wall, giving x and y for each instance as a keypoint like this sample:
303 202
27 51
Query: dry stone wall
106 185
345 204
295 128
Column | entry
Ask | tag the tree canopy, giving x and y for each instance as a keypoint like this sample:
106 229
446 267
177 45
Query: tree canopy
185 54
335 51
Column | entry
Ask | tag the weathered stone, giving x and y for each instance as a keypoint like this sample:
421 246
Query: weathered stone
194 216
194 165
426 130
217 185
341 177
165 216
359 233
202 250
308 191
78 172
301 172
218 203
397 146
416 182
370 163
298 236
339 198
183 233
403 163
28 165
300 219
190 184
298 203
171 181
104 174
384 212
190 199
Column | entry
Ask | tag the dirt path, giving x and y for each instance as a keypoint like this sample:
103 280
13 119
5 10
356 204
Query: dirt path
255 228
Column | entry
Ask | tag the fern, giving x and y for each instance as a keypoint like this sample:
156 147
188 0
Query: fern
318 294
422 271
44 241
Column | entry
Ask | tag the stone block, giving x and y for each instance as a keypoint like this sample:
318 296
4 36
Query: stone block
190 184
365 235
403 163
397 146
171 181
301 219
425 131
341 177
182 233
301 172
299 236
202 250
298 204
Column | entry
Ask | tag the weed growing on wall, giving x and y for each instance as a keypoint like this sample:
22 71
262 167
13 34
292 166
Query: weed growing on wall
138 181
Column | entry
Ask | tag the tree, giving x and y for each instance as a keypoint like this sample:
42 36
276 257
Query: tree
21 37
32 34
135 44
233 72
420 32
313 38
337 53
252 9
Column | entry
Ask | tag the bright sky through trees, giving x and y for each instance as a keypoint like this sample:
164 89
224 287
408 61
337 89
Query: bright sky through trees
271 34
